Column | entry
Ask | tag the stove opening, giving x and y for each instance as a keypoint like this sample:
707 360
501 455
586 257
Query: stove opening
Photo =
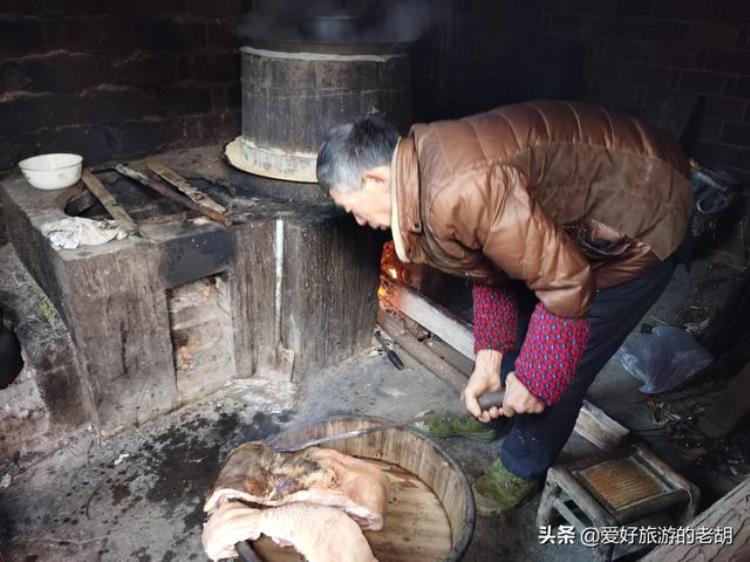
200 324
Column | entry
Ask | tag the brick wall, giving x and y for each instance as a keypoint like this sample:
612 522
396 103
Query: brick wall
631 55
116 79
637 53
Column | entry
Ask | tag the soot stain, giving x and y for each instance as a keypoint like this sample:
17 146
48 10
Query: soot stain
119 493
261 427
141 555
185 459
185 463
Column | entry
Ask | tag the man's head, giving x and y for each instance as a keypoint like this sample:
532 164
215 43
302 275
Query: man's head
354 168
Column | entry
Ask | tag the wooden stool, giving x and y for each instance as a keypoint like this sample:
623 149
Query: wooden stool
633 484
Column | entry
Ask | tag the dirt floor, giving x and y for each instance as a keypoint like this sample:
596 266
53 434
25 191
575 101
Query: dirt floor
138 495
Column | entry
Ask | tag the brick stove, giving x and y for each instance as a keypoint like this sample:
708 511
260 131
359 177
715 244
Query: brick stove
145 325
155 322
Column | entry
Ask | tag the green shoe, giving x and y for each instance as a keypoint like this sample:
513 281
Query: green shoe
497 491
455 426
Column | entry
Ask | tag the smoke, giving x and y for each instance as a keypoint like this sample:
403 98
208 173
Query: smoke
369 21
404 20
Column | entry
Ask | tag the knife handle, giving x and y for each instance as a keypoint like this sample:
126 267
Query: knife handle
246 552
490 399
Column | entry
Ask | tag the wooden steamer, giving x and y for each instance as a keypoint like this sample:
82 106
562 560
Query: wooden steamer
430 513
295 88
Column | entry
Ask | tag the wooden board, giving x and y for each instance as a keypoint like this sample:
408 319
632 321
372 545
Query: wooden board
186 187
416 526
730 511
109 202
438 320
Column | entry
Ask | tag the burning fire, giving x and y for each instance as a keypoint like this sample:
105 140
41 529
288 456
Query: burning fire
392 269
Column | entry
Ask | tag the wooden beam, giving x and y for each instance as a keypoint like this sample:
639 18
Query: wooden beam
593 424
730 512
394 327
143 179
120 215
438 320
195 194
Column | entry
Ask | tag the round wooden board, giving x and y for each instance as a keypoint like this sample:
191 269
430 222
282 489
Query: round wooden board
416 526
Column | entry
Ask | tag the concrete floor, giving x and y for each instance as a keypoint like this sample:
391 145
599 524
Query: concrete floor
90 502
138 496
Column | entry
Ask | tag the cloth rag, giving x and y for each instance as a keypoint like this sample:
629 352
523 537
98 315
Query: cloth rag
72 232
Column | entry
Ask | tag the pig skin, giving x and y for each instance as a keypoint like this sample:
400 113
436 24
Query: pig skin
320 534
256 475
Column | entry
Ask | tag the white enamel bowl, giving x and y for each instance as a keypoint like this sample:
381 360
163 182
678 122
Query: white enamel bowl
52 171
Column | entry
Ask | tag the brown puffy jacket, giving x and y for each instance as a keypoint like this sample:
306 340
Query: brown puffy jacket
567 197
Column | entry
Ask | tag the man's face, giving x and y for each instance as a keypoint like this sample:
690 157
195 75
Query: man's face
371 205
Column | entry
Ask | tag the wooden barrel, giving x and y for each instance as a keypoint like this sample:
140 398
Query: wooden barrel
430 514
291 98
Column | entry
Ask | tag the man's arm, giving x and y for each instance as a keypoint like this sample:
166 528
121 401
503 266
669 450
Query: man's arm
495 314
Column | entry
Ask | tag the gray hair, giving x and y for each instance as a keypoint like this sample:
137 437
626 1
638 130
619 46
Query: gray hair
349 150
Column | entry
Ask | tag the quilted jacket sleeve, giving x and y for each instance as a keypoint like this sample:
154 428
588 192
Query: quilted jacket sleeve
495 315
499 217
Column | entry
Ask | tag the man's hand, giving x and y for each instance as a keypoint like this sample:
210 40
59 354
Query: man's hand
518 400
486 378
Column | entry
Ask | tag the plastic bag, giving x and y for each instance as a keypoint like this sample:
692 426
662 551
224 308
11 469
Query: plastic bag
663 359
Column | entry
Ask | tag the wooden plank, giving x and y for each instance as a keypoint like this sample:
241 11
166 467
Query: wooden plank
394 327
120 215
593 424
452 330
732 511
186 187
169 194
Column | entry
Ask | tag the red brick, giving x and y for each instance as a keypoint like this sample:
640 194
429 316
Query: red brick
561 24
709 129
614 27
103 34
734 62
742 88
739 158
736 10
626 51
647 75
685 9
144 69
590 7
707 34
736 133
59 71
681 56
710 152
635 7
661 30
32 113
183 99
602 70
527 6
701 82
617 96
728 109
113 104
21 36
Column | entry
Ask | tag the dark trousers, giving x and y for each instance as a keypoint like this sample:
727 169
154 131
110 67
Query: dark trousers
535 440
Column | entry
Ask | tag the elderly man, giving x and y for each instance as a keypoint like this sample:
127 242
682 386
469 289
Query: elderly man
566 216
